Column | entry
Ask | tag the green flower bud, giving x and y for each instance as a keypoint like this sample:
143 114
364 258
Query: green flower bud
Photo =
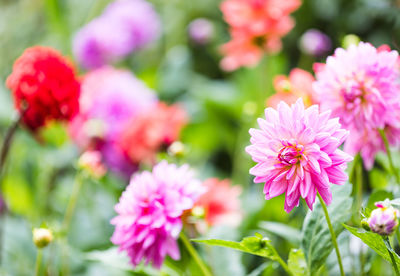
42 237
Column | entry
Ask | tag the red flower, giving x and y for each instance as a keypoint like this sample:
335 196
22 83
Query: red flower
219 205
149 131
44 87
221 202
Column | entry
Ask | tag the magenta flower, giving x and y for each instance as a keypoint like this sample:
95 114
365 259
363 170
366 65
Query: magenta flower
361 87
297 153
149 213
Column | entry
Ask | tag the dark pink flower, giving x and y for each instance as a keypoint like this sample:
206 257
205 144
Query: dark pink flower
149 213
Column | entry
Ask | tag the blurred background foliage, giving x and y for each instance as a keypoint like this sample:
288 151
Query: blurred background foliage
222 106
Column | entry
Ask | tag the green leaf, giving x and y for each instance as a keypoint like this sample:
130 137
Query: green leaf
297 262
254 245
316 240
282 230
375 242
378 195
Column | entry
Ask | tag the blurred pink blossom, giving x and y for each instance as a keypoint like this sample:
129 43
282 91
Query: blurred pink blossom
110 98
361 87
256 26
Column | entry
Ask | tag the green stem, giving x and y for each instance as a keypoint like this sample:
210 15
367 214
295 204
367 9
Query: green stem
7 142
5 149
389 155
389 249
359 183
195 255
72 202
283 263
334 241
38 262
398 236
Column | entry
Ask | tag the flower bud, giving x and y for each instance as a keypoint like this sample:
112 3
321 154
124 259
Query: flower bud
42 237
384 219
315 43
90 161
176 149
350 39
201 31
365 225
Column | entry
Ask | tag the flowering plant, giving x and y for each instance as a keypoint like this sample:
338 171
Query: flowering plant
232 137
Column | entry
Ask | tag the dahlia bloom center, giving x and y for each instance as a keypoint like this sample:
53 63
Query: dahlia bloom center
354 94
290 153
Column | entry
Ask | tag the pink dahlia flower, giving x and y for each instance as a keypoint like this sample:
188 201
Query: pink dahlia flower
149 213
297 153
361 87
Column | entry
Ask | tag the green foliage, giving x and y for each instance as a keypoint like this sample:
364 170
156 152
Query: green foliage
297 263
257 245
316 239
375 242
282 230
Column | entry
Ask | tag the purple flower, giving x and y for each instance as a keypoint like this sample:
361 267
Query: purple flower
384 219
109 99
297 153
149 213
125 26
201 31
315 43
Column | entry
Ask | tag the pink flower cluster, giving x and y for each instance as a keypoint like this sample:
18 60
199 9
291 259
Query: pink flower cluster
149 213
361 87
123 119
256 26
296 151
